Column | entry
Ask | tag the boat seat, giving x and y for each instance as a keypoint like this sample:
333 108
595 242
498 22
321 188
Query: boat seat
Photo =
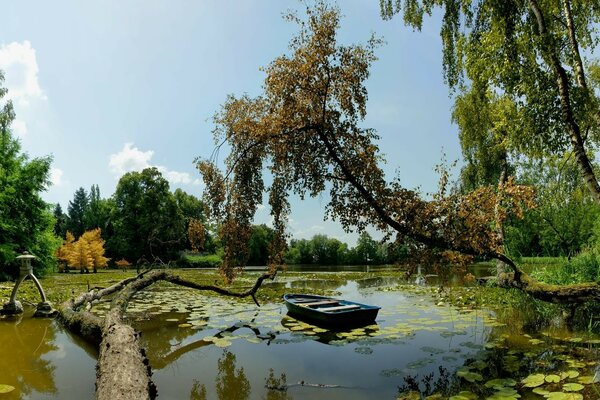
319 303
339 308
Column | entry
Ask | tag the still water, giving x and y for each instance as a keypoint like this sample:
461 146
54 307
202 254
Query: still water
204 347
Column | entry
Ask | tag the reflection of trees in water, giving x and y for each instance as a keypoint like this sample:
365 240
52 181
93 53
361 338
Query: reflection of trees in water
276 387
315 284
444 385
23 342
231 383
160 339
198 391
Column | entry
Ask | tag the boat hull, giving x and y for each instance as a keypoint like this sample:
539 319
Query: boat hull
336 313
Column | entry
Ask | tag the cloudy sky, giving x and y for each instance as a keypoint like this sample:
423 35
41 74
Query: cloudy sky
112 86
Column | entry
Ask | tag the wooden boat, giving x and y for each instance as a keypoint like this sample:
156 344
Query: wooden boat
329 311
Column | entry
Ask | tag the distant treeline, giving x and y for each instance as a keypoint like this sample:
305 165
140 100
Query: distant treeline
144 222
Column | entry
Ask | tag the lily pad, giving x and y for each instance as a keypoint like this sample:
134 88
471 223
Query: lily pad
552 378
540 391
588 379
572 387
500 383
569 374
564 396
470 376
6 388
464 395
534 380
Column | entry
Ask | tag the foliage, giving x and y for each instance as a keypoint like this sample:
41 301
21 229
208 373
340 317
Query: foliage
145 220
196 235
562 222
26 221
201 261
84 253
192 210
529 58
60 227
322 250
77 210
258 246
305 129
122 264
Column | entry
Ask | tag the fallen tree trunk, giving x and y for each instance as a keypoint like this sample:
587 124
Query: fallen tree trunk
123 371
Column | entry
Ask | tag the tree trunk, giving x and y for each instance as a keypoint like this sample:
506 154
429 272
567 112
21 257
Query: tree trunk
501 268
549 53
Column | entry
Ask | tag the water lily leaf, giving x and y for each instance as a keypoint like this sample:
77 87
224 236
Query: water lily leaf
500 383
540 391
534 380
432 350
501 397
6 388
222 343
572 387
185 325
563 396
552 378
586 380
464 395
507 392
535 341
569 374
470 376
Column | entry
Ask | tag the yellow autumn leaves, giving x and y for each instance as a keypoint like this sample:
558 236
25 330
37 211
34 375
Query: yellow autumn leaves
84 253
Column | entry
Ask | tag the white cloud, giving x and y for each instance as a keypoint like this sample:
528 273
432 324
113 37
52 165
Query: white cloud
19 63
56 175
19 127
174 176
130 158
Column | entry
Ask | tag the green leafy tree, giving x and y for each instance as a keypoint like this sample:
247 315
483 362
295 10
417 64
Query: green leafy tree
258 245
97 213
77 211
192 210
146 221
563 221
26 221
530 54
60 227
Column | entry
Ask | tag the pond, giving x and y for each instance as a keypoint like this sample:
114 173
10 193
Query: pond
206 347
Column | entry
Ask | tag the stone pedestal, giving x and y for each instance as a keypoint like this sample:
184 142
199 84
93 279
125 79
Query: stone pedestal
12 308
44 309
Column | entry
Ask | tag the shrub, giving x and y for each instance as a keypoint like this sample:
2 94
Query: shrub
200 261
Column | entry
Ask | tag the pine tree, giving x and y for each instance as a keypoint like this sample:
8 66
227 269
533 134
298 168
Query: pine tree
76 211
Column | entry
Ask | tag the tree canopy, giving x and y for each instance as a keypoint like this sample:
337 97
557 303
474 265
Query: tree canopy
305 130
529 62
26 221
146 220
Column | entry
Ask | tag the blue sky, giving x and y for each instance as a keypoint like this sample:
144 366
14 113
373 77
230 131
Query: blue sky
111 86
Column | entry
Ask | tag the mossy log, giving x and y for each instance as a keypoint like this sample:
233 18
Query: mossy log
123 371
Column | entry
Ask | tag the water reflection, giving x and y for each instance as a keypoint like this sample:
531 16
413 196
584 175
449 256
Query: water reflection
42 361
231 382
29 339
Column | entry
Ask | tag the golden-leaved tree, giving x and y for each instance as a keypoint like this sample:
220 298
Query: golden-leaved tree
85 253
305 129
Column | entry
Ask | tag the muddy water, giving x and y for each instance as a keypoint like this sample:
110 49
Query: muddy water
204 347
42 361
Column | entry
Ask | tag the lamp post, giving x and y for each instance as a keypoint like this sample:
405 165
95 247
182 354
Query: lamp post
14 307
